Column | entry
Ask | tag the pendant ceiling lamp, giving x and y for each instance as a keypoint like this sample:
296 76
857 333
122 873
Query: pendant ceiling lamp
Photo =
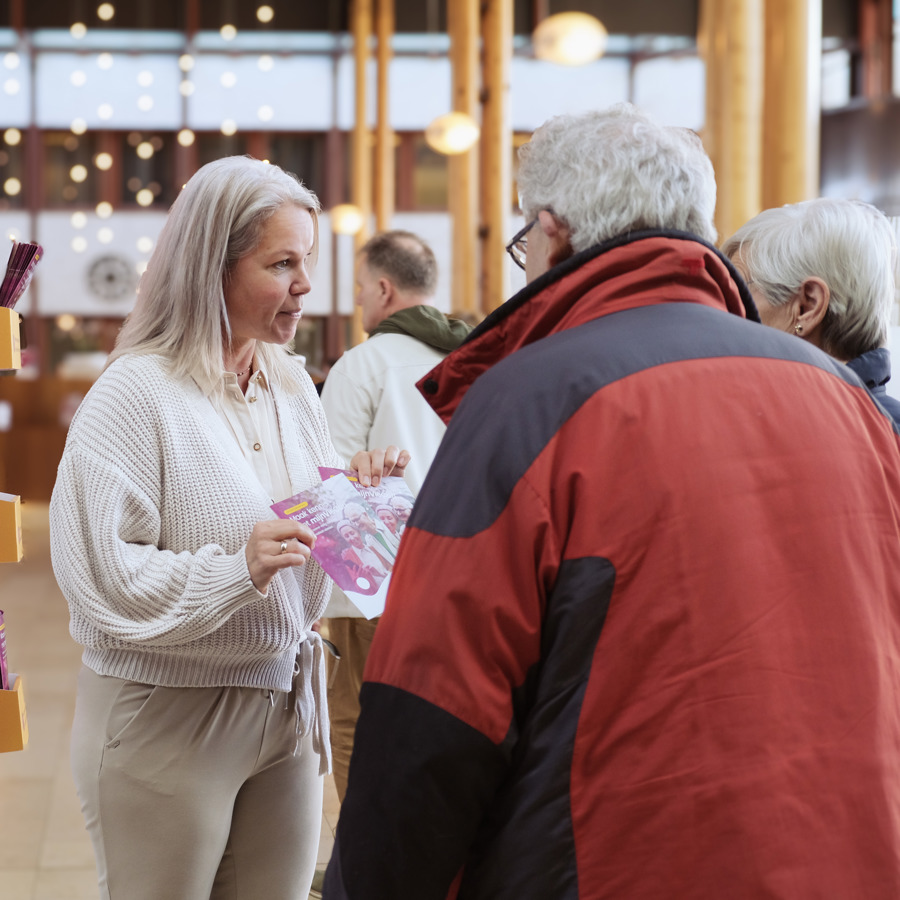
569 39
452 133
346 218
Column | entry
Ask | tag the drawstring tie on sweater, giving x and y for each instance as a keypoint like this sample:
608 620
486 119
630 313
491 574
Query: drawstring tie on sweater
312 698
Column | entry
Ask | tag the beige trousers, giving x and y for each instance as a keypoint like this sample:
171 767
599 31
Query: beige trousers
353 638
195 793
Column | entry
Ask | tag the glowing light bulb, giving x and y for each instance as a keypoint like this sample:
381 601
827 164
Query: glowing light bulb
346 219
569 39
452 133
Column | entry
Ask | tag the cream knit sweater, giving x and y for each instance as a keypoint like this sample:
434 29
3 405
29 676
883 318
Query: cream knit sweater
150 515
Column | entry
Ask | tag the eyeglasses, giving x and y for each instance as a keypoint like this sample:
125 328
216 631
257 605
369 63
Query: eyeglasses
517 247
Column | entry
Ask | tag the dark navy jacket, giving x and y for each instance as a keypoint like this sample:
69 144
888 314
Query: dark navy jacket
874 368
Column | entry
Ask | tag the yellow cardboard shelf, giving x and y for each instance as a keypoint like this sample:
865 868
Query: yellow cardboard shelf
13 721
10 528
10 339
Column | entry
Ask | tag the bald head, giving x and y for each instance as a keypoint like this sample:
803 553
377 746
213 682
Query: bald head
394 270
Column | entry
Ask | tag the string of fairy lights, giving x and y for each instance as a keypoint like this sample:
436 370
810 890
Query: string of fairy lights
567 38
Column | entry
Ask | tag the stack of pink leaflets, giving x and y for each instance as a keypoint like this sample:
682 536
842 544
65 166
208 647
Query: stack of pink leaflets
22 262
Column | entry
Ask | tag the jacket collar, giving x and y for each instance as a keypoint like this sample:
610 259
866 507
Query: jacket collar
425 324
636 269
873 367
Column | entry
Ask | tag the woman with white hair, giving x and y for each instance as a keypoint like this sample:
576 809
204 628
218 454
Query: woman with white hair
200 735
824 271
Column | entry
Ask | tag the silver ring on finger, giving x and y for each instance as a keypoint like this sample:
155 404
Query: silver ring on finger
284 546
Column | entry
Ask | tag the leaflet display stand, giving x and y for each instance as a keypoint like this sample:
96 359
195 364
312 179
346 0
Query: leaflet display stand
13 721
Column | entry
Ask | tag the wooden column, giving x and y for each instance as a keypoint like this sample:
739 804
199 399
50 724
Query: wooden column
793 65
875 41
361 172
496 150
462 24
384 135
731 42
17 15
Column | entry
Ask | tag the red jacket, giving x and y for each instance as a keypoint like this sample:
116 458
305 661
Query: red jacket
643 635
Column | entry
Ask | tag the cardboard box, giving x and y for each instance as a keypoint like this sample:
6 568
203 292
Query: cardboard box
10 528
13 721
10 339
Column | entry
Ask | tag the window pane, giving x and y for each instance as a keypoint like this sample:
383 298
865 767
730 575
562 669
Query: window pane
12 169
302 154
69 176
148 168
429 177
213 145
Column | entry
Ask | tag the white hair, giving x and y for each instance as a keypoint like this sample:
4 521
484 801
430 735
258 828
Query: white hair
614 171
849 244
217 219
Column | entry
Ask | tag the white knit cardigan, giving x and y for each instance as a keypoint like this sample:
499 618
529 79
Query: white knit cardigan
152 509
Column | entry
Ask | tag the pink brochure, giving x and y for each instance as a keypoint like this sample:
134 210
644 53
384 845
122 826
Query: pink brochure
359 563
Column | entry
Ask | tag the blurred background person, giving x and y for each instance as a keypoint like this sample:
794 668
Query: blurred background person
824 271
370 393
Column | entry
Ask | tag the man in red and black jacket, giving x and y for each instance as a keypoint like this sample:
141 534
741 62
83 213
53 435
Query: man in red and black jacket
643 636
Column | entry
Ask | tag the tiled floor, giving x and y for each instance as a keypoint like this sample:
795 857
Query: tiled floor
45 853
